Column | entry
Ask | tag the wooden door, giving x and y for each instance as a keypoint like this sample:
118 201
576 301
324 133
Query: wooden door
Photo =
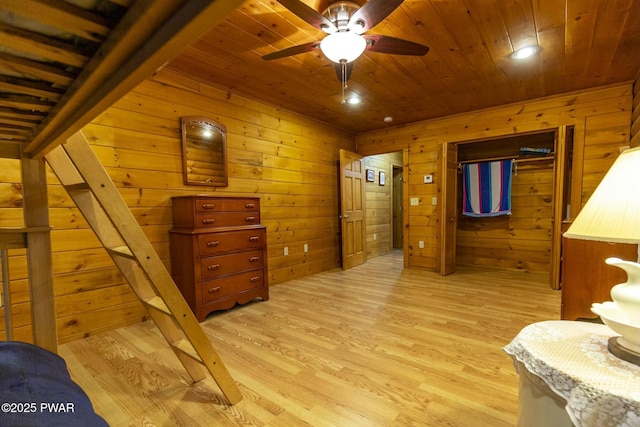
352 209
398 214
446 255
559 203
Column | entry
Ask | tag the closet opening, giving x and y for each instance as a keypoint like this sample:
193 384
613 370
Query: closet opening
527 239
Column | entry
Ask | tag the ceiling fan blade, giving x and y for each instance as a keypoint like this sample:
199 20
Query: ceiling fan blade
309 15
392 45
371 13
347 71
290 51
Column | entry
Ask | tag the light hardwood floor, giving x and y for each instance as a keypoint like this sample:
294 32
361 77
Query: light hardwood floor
373 346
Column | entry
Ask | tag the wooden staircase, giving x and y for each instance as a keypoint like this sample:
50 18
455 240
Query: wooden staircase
93 191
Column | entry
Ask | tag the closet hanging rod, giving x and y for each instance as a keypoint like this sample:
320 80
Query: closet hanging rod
516 159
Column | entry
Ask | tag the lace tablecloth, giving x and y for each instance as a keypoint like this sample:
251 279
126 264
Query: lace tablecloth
572 359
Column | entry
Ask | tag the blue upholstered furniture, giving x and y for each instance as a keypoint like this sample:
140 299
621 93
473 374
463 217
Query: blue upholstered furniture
36 390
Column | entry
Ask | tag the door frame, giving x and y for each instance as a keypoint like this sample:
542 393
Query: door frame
449 201
405 207
447 215
397 215
405 201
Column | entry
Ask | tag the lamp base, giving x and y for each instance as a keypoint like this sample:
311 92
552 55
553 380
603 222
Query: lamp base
622 352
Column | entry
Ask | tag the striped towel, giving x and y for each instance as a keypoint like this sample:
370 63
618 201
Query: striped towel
486 188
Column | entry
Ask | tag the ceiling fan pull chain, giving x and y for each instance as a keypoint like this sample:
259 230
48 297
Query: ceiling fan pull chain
343 79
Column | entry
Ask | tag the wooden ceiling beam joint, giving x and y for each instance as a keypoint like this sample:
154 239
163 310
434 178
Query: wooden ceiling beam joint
121 65
30 44
62 15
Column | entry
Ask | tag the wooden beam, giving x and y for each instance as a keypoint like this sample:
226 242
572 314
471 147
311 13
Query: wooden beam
39 259
34 70
32 43
9 150
133 51
12 239
60 14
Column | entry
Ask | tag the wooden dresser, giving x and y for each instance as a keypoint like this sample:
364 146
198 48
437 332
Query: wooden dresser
218 252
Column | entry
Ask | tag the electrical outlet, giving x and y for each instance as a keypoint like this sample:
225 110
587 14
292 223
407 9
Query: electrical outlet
306 247
434 200
415 201
374 236
286 251
421 244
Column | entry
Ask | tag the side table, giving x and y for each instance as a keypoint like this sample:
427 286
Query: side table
569 378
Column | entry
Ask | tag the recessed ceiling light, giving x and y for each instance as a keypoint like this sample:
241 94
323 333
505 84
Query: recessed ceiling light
525 52
388 119
354 99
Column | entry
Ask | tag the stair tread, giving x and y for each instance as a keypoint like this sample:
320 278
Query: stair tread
123 250
77 187
187 348
157 303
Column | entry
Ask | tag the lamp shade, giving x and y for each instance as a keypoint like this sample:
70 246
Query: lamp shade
612 213
343 46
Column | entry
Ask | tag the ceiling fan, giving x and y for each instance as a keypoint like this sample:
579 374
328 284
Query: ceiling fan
345 22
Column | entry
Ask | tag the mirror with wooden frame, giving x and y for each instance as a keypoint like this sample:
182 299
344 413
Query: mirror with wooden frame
204 152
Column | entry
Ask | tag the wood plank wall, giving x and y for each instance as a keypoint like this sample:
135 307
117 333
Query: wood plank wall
379 203
520 241
635 121
601 120
289 161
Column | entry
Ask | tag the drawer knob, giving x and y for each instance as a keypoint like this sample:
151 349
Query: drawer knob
214 290
250 205
250 219
254 238
213 267
254 259
213 244
255 279
208 205
208 220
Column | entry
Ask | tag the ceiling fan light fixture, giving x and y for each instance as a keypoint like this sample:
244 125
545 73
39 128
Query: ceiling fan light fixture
525 52
343 46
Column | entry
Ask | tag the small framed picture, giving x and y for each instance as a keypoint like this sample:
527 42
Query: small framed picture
382 176
371 175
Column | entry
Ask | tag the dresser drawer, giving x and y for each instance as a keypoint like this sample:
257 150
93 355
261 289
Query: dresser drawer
231 241
230 285
227 219
223 265
209 205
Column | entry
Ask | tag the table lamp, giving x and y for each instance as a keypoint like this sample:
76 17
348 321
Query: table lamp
612 214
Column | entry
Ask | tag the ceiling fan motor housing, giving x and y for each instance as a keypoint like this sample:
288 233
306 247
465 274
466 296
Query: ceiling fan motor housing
340 13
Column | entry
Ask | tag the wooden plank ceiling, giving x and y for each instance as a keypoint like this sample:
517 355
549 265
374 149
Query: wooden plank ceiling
585 43
62 62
